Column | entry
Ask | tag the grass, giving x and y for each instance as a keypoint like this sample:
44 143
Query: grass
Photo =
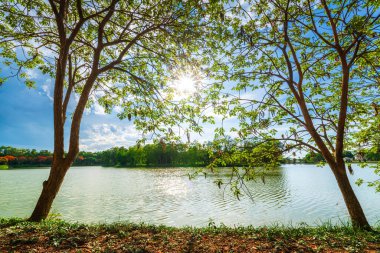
3 167
60 236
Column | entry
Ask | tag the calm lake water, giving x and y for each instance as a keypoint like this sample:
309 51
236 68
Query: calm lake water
293 194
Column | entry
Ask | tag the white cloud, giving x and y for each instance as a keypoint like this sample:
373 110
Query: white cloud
47 89
97 109
118 109
32 73
104 136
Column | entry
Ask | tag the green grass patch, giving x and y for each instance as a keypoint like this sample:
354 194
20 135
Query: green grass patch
3 167
57 235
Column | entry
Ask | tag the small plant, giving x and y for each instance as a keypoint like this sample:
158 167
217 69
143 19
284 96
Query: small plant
19 235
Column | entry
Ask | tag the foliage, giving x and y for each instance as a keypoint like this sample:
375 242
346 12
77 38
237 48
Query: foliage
313 157
26 157
56 235
120 53
247 159
3 161
369 139
303 73
173 154
375 183
286 71
156 154
115 53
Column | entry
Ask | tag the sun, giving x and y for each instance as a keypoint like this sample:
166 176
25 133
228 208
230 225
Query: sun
184 86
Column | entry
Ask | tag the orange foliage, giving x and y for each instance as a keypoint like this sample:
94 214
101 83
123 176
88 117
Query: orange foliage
10 158
21 158
42 158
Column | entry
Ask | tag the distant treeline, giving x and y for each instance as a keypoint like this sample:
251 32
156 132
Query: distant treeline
150 155
24 157
159 154
368 155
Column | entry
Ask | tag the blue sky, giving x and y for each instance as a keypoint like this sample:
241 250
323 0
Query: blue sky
26 119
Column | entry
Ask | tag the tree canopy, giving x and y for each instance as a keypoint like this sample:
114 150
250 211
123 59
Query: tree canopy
287 62
116 52
303 73
298 75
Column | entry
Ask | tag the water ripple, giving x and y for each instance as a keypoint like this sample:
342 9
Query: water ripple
295 193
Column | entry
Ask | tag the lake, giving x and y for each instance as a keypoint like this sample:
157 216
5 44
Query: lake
290 195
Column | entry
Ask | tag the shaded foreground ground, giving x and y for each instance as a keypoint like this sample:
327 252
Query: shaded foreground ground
58 236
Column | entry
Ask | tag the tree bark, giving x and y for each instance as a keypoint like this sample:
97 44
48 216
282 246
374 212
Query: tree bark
49 191
354 208
62 163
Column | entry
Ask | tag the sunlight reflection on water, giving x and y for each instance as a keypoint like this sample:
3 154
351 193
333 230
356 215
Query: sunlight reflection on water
293 194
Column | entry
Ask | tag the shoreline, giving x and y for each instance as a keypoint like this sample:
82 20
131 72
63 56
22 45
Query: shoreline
7 167
61 236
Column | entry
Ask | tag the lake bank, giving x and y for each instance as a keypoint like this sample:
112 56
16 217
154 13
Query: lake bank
60 236
142 166
289 196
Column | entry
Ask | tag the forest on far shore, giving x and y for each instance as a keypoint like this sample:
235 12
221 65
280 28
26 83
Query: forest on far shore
155 155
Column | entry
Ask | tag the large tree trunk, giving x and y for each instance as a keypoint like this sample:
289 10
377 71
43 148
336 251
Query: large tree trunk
355 210
49 191
62 163
59 165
